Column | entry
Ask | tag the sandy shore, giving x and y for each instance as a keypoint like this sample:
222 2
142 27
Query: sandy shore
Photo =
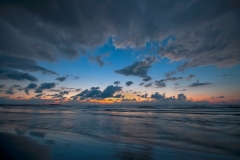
13 147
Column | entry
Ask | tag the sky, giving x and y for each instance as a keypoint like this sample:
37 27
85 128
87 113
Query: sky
120 52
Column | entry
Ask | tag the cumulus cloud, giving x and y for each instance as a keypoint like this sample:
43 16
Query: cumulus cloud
44 86
198 84
95 88
78 89
90 93
162 97
144 95
138 69
6 74
76 77
9 91
129 83
110 90
181 97
171 79
158 96
146 79
128 100
54 90
224 75
169 74
118 96
148 85
116 82
190 77
61 79
39 95
128 71
176 84
64 92
94 92
16 86
160 84
30 86
98 59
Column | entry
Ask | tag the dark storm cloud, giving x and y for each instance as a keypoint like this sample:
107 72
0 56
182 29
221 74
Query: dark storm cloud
129 83
61 79
138 69
197 84
45 86
20 63
181 97
211 35
6 74
190 77
30 86
116 82
206 32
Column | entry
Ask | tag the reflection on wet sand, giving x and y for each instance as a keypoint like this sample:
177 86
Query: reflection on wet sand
22 148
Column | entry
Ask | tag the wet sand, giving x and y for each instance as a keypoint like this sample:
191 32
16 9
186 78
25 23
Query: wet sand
13 147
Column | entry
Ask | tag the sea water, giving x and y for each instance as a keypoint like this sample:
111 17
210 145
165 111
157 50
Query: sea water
128 132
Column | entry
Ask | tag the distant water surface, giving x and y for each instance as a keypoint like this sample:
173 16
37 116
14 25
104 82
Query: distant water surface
129 132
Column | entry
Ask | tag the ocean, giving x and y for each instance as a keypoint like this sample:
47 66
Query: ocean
127 132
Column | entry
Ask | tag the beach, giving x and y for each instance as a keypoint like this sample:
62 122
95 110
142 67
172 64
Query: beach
119 132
